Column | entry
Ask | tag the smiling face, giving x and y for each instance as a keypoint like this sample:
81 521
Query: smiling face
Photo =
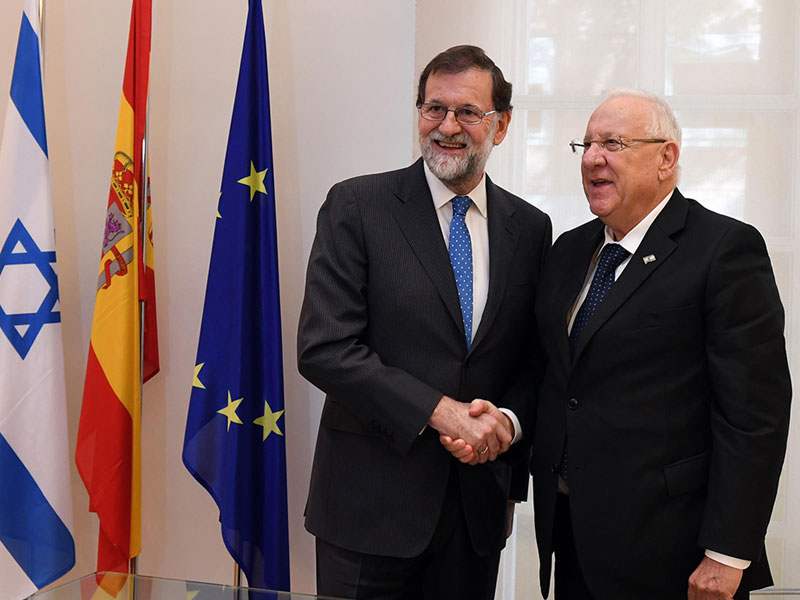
623 187
454 152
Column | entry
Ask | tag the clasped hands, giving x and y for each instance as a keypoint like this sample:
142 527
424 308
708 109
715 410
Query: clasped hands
473 433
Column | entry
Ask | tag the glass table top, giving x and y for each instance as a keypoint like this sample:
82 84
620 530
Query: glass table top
120 586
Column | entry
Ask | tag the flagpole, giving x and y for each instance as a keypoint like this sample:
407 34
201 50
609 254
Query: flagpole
41 26
133 564
144 192
133 588
144 185
237 581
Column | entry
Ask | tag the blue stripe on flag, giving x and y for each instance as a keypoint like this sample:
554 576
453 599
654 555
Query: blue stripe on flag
26 83
29 527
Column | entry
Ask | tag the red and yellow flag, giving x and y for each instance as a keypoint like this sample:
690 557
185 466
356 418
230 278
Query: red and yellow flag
108 450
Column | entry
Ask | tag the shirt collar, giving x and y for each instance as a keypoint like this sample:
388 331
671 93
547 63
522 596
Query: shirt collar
635 236
442 194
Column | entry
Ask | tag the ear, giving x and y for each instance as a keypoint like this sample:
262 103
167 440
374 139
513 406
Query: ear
502 127
669 161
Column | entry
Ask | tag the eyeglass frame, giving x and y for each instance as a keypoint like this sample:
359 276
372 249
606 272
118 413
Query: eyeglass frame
624 142
481 115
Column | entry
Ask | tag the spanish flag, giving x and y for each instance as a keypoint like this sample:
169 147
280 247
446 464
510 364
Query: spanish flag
108 449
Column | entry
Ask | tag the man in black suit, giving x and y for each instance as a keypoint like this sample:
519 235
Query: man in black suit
404 345
662 421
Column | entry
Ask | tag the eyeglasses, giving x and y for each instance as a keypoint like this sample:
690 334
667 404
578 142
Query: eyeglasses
463 114
611 144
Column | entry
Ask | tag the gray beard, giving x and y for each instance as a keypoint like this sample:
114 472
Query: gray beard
456 170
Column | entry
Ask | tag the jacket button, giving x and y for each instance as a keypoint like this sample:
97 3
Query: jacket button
572 403
554 468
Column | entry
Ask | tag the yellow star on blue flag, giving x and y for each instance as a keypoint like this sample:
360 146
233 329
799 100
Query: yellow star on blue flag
269 421
229 411
255 181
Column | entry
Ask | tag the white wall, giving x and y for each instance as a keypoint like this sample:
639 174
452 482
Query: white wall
340 73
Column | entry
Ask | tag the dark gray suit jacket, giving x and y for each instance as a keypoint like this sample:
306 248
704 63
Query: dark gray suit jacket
381 334
675 407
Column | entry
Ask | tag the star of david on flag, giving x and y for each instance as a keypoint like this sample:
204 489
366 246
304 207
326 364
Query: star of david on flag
22 328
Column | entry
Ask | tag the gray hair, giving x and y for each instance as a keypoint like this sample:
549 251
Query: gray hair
663 123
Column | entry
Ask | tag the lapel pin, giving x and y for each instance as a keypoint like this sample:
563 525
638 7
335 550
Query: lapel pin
649 258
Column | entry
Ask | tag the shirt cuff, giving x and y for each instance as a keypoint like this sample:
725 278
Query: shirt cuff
514 421
736 563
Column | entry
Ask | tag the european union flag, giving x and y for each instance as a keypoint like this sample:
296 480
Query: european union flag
234 444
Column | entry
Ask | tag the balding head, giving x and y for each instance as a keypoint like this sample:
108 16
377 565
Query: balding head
623 187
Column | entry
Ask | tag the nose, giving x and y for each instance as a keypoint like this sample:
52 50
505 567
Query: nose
450 126
594 156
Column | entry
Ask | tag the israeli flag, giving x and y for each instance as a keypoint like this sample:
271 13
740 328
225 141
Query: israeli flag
36 544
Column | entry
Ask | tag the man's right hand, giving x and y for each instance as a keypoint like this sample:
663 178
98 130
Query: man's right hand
472 436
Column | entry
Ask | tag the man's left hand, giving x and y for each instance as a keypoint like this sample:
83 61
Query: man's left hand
712 580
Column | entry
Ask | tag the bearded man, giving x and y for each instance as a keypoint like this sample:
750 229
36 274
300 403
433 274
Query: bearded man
417 323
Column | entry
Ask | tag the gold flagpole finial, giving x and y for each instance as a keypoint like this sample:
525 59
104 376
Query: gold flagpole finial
41 29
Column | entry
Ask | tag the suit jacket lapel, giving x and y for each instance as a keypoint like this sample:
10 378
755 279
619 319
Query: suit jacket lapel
503 238
416 217
657 242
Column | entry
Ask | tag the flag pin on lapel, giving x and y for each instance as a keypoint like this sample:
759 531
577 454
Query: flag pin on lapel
649 258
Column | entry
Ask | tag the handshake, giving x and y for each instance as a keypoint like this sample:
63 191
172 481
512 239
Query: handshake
473 433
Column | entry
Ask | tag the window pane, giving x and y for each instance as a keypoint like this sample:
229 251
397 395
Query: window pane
553 173
574 48
734 163
730 47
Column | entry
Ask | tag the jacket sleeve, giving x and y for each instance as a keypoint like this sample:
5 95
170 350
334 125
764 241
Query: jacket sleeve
523 392
751 392
334 318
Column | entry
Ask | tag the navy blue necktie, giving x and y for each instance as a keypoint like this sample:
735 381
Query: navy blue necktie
611 257
461 259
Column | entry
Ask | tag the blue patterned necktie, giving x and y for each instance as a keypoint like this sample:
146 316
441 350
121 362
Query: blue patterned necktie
461 259
611 257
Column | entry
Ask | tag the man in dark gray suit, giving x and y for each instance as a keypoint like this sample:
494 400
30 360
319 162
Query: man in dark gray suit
417 323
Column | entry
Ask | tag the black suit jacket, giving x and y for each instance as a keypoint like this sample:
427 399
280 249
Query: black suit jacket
675 407
381 334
